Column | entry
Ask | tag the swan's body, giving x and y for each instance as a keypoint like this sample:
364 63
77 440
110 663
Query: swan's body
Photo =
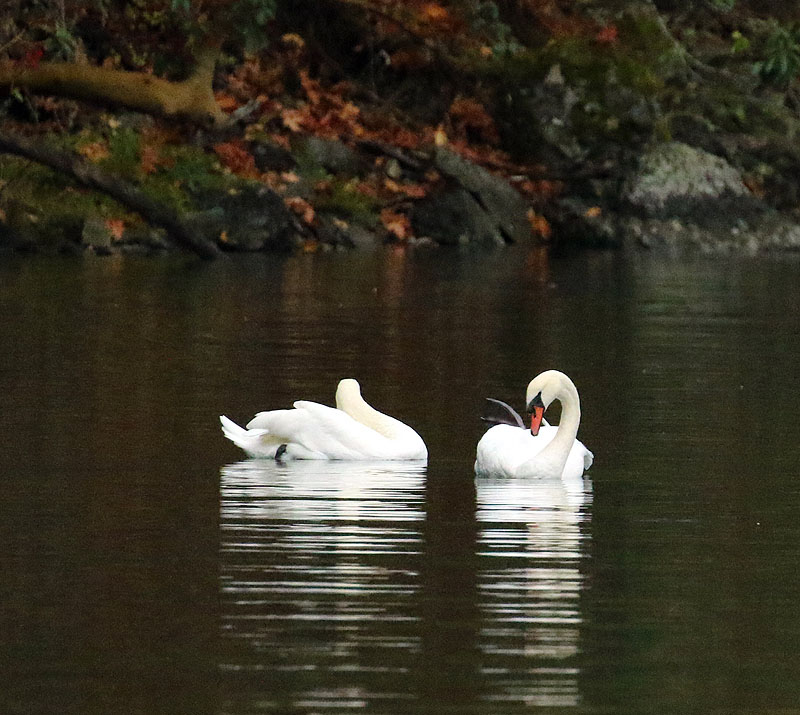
545 451
351 430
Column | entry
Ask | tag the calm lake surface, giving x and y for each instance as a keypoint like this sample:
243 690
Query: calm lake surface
147 567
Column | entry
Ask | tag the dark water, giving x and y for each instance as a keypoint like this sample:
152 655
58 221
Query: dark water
147 568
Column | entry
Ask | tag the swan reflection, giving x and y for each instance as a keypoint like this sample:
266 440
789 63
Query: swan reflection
319 569
310 489
533 537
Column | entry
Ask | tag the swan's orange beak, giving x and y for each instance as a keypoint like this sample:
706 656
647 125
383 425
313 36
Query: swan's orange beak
536 420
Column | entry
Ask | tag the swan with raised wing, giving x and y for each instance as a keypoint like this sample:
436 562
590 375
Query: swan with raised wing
510 449
351 430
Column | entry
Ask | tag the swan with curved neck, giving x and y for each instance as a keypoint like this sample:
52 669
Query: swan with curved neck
351 430
543 450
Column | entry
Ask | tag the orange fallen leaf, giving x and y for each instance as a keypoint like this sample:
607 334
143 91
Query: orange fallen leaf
593 212
301 208
293 119
293 39
281 140
94 152
469 113
312 87
227 103
607 35
392 185
396 223
415 191
349 112
435 12
404 138
539 225
366 189
116 227
235 157
149 159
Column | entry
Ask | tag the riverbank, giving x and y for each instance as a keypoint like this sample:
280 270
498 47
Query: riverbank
634 128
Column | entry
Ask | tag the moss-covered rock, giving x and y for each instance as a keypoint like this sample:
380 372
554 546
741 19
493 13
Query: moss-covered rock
247 216
672 178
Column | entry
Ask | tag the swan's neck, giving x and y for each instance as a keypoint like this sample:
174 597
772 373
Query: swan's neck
559 448
349 400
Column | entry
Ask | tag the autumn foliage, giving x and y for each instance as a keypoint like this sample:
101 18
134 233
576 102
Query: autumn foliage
401 77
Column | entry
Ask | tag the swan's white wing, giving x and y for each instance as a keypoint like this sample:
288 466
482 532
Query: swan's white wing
338 435
588 458
315 431
278 421
504 447
578 460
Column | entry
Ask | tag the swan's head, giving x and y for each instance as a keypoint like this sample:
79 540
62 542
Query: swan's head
349 385
346 391
542 390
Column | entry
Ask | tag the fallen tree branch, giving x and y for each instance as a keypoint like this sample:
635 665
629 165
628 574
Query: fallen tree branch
128 195
192 99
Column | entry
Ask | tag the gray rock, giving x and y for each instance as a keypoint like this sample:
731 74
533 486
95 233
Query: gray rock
672 178
578 221
683 198
144 238
393 169
16 230
773 232
334 231
271 157
331 154
252 217
96 235
504 212
454 217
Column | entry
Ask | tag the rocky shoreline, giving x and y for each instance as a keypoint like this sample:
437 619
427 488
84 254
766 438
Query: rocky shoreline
676 198
644 143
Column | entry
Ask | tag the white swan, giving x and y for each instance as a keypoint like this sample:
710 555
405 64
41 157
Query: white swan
544 450
351 430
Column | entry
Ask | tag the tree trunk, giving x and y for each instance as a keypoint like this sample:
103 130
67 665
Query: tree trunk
192 99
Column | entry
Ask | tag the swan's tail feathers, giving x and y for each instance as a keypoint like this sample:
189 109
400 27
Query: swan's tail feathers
588 458
256 442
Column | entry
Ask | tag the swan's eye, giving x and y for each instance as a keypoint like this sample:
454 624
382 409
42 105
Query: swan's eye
535 402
